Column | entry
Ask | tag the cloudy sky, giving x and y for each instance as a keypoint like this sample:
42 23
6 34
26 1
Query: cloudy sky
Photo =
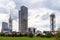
38 12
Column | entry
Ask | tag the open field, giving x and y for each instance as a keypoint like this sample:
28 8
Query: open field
25 38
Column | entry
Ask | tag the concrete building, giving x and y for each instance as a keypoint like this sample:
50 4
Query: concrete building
23 19
10 24
32 30
5 28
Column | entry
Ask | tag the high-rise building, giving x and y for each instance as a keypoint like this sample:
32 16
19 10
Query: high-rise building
5 28
23 19
52 22
10 24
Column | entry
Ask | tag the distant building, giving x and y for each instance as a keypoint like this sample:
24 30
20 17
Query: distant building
10 24
52 22
5 27
23 19
32 30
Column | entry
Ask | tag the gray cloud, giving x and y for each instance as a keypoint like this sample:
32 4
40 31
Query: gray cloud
51 4
3 10
46 26
14 14
46 16
19 3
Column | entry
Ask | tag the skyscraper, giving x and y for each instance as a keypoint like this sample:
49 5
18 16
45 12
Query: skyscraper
10 24
5 28
23 19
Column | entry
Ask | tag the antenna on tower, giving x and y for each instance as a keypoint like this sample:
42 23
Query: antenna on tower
10 17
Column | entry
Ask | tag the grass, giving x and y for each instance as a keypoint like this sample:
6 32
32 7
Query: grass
25 38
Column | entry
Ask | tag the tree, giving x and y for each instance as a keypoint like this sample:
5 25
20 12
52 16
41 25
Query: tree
14 34
30 34
2 34
48 34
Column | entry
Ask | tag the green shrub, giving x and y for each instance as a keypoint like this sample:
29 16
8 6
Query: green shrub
38 34
14 34
25 34
2 34
21 35
48 34
30 34
58 35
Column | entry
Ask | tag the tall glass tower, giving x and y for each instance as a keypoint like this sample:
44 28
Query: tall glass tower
23 19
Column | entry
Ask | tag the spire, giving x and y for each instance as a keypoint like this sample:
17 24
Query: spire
10 17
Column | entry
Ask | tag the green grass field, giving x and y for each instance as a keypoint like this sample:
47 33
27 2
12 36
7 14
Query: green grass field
25 38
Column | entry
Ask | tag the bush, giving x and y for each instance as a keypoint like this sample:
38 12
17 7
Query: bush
25 34
2 34
9 35
38 34
14 34
58 35
21 35
48 34
30 34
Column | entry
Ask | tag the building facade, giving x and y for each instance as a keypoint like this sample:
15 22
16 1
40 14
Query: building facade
23 19
32 30
5 28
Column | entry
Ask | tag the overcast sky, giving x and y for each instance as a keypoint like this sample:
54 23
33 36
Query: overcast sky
38 12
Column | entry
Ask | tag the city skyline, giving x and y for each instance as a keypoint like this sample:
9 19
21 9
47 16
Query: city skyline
38 12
